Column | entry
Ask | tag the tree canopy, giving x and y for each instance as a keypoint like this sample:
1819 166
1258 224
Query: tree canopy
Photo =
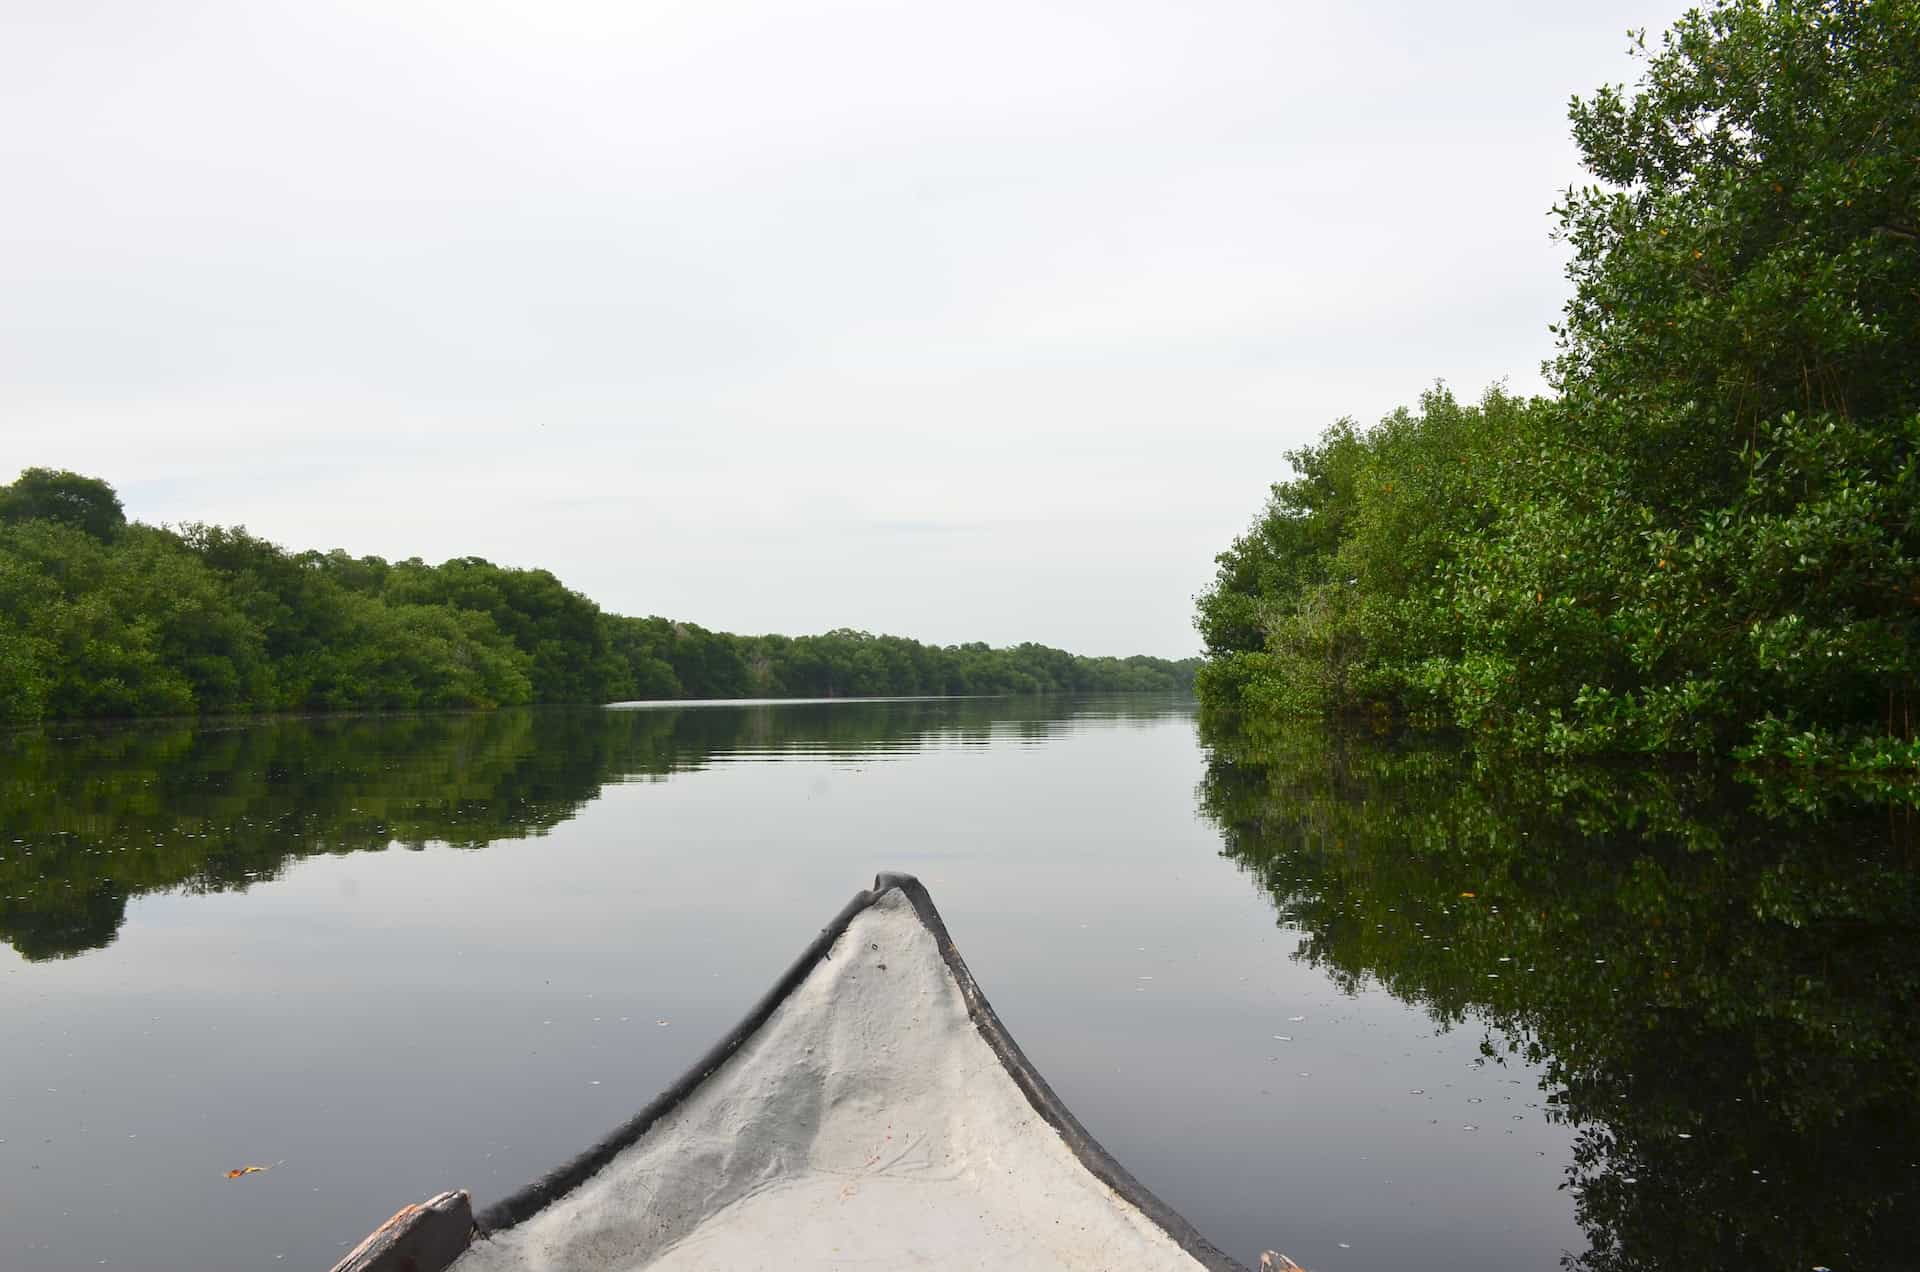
1706 540
51 494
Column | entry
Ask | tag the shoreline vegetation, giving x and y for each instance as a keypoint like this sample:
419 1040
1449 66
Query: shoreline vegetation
1707 540
101 617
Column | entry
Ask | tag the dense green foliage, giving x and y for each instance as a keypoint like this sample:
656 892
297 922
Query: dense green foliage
1716 976
101 617
46 494
1709 539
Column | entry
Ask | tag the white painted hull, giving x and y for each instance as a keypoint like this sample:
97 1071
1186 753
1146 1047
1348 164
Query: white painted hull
871 1113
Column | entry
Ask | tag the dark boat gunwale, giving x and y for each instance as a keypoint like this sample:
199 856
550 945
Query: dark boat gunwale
563 1179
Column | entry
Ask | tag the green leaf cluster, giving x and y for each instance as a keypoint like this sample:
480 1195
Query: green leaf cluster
1706 541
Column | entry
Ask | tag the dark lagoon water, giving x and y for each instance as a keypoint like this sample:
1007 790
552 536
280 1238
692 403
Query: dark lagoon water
1376 1006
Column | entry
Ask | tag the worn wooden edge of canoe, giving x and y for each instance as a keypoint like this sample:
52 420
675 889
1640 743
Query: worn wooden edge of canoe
428 1237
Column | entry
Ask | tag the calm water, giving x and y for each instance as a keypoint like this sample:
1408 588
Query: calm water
1376 1007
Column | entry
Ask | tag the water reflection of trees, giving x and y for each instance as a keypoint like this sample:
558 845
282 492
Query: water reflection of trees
95 815
1719 974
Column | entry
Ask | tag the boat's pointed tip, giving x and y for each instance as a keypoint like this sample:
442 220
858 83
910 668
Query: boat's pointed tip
887 880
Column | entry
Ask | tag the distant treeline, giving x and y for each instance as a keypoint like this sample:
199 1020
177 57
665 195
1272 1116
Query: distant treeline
104 617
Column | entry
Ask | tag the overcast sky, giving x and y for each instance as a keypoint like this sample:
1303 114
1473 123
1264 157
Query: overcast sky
982 321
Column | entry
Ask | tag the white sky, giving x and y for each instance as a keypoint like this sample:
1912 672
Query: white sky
984 321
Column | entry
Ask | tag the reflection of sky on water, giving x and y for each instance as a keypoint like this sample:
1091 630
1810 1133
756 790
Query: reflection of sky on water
379 1025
